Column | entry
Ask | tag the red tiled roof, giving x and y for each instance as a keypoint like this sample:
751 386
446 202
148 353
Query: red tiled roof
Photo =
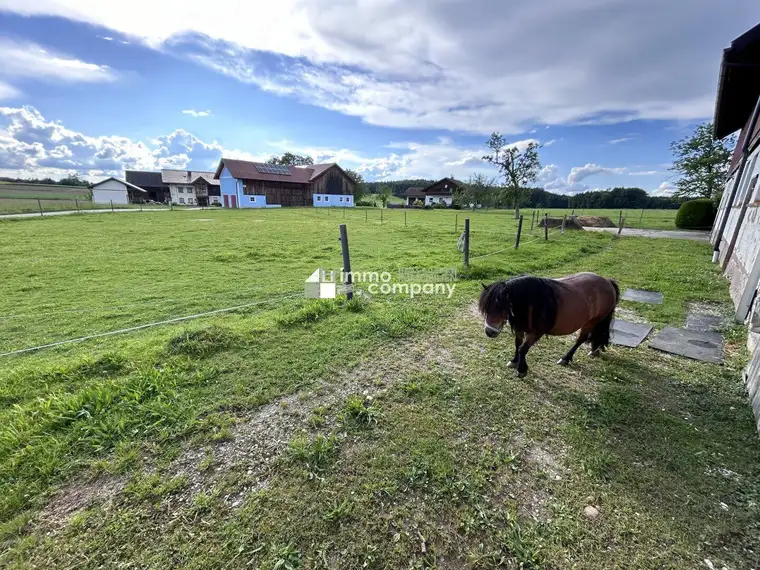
247 170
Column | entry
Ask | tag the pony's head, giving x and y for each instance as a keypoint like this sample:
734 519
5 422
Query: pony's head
495 307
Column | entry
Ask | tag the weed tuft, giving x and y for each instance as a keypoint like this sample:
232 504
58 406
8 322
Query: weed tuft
202 342
308 313
315 455
360 410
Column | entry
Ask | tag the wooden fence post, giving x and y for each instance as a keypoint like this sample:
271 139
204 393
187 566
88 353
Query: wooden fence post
346 261
456 222
620 229
39 204
111 205
546 226
641 217
519 230
381 216
564 221
404 218
365 215
467 242
76 201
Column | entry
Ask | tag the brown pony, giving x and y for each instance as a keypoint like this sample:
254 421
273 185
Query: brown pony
534 306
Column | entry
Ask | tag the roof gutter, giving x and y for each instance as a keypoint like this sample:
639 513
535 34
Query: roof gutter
735 187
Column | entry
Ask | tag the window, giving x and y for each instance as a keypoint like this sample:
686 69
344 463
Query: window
180 190
319 198
751 195
181 200
340 199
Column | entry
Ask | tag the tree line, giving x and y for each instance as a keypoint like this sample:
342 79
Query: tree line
72 180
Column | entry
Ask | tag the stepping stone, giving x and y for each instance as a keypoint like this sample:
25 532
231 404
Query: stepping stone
641 296
629 334
703 322
706 346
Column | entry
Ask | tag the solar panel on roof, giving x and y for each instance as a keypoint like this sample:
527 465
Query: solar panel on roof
280 169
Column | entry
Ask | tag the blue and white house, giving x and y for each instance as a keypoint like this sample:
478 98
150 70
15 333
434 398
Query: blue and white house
245 184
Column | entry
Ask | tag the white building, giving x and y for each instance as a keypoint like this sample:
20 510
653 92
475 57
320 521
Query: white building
736 233
117 192
192 187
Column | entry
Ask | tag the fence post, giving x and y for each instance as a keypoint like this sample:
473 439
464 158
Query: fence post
519 231
641 217
467 242
365 215
532 220
404 218
346 261
620 218
76 201
620 228
564 221
39 204
171 205
111 205
381 216
546 226
456 222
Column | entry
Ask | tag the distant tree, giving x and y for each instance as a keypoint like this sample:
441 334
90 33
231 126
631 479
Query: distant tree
291 159
702 163
361 188
385 195
518 167
72 180
479 189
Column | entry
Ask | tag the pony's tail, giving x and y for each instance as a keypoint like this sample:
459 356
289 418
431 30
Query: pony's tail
600 335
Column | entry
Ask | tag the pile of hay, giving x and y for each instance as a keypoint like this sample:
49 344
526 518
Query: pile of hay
594 222
570 223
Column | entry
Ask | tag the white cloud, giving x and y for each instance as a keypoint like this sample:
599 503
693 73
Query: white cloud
664 189
460 64
578 173
106 38
30 60
621 140
644 173
8 91
194 113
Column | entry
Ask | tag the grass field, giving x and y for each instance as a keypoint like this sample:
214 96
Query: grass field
382 433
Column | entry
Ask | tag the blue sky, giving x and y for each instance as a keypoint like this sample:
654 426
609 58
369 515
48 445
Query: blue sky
393 89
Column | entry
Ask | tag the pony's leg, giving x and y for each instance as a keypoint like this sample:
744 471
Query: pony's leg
583 336
522 365
516 358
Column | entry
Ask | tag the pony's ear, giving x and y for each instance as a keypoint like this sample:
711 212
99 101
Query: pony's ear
484 285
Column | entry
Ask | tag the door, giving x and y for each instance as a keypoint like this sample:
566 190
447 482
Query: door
226 201
233 201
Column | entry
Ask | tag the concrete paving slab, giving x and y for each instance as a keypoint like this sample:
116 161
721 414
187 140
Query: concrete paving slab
629 334
703 322
641 296
706 346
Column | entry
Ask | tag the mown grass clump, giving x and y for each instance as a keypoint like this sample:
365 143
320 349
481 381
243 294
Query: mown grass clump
360 411
308 313
314 455
202 342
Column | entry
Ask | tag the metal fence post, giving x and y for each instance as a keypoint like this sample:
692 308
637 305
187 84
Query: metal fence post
467 242
519 230
546 226
346 261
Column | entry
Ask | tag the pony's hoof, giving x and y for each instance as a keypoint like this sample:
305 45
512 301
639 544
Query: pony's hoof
511 364
522 374
563 362
594 353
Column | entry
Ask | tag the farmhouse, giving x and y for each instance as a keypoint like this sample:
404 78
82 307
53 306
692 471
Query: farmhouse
736 233
194 188
441 191
413 194
255 185
115 191
157 190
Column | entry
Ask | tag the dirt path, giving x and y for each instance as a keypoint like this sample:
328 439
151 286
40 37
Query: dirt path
696 235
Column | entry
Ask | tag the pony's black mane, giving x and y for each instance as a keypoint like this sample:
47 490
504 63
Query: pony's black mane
515 297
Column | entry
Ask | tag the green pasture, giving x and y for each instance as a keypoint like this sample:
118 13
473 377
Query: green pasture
385 432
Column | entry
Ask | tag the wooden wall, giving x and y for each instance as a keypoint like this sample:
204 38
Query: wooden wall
300 194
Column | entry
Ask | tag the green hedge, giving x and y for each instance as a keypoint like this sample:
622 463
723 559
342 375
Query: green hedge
696 214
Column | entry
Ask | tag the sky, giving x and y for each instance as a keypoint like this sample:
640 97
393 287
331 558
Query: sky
390 88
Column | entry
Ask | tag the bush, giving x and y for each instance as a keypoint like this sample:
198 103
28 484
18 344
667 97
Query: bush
367 203
696 214
440 206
